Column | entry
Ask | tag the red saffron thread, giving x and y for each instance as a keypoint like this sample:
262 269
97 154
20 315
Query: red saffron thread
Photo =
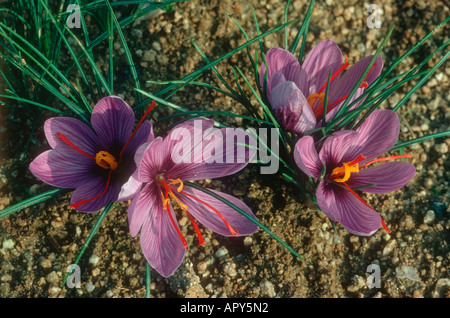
67 141
150 108
232 231
77 204
359 198
343 67
385 159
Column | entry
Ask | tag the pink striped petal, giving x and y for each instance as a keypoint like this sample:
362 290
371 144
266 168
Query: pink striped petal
291 108
160 242
113 121
324 56
306 157
388 177
211 219
340 205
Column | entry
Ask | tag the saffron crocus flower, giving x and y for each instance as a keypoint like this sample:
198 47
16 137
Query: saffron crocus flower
296 92
96 163
151 211
348 159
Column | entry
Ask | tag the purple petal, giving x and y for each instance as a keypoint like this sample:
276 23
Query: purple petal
63 169
130 189
77 132
291 108
388 177
155 160
348 80
210 218
143 134
93 188
160 242
306 157
113 121
281 61
324 56
377 135
336 147
141 206
340 205
200 151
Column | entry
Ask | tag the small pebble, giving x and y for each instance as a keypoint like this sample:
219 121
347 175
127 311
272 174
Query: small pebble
94 259
429 217
408 272
221 252
90 287
52 278
8 244
45 263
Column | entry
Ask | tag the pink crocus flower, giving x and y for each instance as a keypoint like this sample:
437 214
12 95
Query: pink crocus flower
95 162
296 92
348 157
159 183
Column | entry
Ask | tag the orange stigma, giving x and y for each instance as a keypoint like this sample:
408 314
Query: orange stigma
169 192
343 173
346 170
106 160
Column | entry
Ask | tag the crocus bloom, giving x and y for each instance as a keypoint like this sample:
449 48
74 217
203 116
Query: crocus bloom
151 211
96 163
348 157
296 92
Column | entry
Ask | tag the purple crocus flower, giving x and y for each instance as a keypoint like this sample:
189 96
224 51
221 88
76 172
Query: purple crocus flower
151 211
96 163
348 157
296 92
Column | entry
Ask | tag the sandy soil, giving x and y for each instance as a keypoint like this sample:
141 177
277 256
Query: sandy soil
38 243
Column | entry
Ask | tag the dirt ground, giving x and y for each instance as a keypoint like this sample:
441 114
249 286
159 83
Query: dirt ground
38 243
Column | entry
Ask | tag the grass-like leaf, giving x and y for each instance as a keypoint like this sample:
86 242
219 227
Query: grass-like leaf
245 214
33 201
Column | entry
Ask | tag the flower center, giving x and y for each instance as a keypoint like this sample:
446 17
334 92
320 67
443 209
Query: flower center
343 173
166 184
105 160
320 95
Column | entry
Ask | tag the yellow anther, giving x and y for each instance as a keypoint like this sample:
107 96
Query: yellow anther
346 169
106 160
182 205
314 97
176 181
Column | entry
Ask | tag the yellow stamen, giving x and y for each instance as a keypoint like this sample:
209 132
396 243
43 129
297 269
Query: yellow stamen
314 97
346 169
176 181
106 160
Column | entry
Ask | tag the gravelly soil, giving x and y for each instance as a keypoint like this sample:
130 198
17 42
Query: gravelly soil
38 243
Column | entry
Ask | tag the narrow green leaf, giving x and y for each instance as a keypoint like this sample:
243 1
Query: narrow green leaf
420 139
107 208
32 201
215 62
245 214
148 280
